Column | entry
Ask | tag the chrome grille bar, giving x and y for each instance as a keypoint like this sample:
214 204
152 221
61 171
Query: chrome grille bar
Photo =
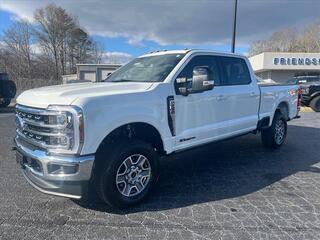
37 117
57 129
33 127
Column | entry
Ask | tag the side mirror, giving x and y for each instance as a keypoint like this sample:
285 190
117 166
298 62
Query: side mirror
200 80
199 83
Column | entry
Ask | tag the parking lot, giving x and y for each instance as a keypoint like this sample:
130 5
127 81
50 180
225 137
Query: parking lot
235 189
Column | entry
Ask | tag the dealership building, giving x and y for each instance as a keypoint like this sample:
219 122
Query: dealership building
281 66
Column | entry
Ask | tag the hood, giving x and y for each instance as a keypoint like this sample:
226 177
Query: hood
66 94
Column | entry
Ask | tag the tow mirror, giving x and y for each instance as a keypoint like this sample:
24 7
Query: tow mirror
200 80
199 83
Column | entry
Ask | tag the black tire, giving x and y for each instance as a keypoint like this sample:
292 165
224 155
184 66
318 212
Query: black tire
269 136
5 102
315 104
8 89
108 164
12 89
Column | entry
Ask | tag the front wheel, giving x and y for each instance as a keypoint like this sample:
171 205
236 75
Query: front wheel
127 173
274 136
315 104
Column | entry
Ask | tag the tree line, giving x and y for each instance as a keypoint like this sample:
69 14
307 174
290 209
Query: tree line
303 39
48 48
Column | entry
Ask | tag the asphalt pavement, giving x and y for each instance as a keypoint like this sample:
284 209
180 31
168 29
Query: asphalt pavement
234 189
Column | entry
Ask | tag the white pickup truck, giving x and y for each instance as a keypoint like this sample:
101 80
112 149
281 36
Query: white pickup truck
110 135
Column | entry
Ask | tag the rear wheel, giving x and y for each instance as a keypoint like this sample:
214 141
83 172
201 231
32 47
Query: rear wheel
274 136
126 173
315 104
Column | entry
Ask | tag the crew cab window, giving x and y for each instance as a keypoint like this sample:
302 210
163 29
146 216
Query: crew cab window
209 61
235 71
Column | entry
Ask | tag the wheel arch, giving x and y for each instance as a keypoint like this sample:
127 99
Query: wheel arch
139 130
283 108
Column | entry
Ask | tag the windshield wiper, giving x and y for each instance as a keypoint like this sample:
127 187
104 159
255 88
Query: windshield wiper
123 80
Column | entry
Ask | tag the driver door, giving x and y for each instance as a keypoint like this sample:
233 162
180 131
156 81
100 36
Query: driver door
199 117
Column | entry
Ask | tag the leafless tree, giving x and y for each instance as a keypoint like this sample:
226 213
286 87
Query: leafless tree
310 39
281 41
60 35
305 39
17 41
38 54
55 24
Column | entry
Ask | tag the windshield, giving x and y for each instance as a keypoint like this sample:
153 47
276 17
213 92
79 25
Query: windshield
146 69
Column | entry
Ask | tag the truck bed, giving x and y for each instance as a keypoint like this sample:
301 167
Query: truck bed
272 95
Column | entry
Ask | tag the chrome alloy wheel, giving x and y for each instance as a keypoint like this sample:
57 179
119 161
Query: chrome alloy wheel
133 175
280 131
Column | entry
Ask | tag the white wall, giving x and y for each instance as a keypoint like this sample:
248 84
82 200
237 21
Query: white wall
265 61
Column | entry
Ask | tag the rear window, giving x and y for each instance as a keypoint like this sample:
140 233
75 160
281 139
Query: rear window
235 71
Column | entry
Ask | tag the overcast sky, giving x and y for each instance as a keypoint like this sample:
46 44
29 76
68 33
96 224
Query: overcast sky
138 26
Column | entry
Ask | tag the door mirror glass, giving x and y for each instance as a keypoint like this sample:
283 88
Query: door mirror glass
200 79
199 82
198 75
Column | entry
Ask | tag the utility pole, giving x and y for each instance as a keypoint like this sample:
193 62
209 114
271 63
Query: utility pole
234 27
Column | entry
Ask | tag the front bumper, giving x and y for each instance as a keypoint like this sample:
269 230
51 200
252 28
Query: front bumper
35 165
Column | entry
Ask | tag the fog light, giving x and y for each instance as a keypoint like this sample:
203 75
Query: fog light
59 169
60 141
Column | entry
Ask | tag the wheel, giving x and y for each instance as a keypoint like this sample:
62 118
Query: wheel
8 89
5 102
126 173
12 89
315 104
274 136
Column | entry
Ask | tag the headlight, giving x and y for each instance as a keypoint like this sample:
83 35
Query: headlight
67 134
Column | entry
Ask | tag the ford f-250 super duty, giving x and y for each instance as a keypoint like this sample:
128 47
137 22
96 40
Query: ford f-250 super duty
109 135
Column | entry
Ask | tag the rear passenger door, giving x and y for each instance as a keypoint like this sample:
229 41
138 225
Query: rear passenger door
239 95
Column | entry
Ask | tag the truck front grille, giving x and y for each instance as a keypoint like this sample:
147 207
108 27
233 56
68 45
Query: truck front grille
33 126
